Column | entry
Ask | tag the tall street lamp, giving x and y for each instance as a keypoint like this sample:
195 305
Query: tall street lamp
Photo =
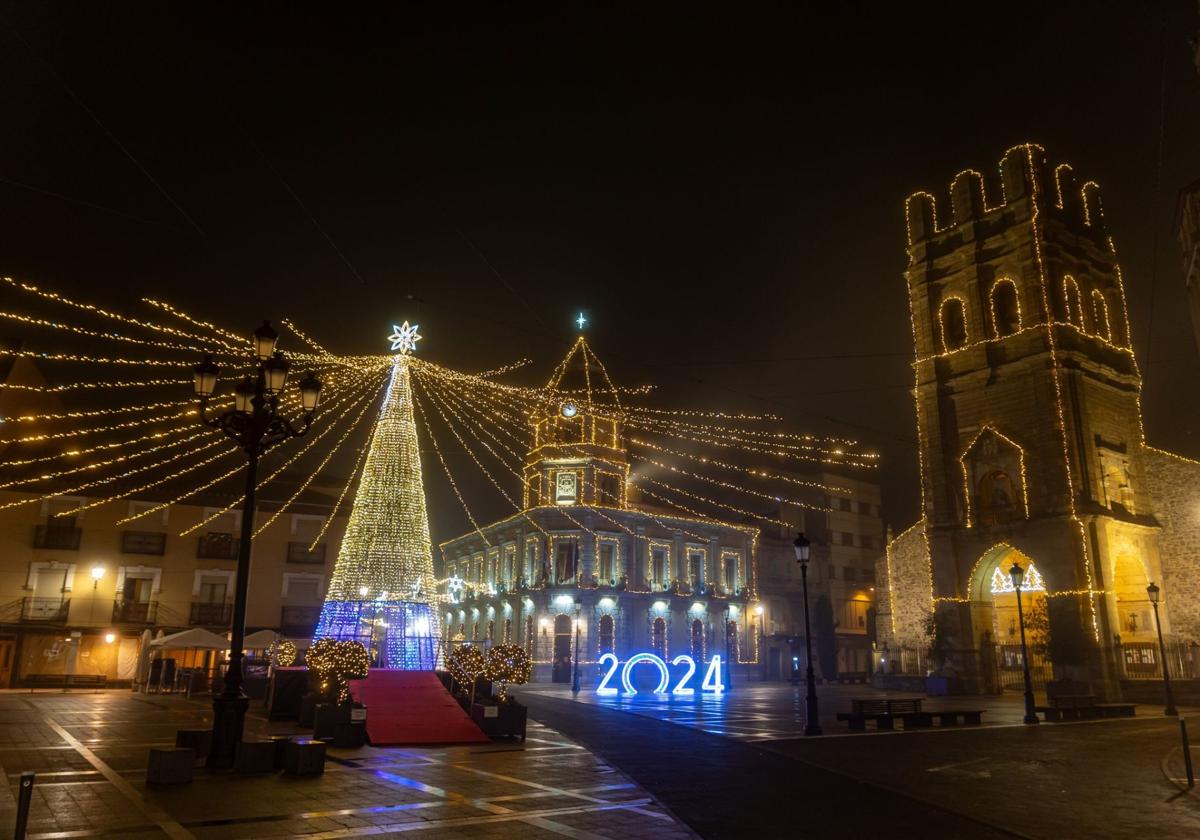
1018 578
1153 591
256 424
575 661
812 722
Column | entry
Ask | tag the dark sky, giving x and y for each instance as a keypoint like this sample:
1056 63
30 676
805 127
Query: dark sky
721 189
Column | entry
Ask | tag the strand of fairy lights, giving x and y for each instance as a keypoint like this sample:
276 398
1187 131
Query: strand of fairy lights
148 325
287 322
752 471
308 444
126 339
177 499
362 451
80 386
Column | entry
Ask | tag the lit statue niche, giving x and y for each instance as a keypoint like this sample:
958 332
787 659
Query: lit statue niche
994 480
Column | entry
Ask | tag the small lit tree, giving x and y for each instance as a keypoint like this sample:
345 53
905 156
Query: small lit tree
335 663
465 663
508 665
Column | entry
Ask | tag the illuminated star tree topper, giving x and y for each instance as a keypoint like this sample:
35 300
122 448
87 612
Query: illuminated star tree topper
581 320
405 337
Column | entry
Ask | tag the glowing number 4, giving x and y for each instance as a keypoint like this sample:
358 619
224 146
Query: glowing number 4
712 677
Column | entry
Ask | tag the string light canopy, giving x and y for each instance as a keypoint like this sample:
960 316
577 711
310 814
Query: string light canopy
88 426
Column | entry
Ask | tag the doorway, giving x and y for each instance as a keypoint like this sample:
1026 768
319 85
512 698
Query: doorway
562 649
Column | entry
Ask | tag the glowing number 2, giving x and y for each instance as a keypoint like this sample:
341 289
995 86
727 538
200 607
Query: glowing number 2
603 689
682 687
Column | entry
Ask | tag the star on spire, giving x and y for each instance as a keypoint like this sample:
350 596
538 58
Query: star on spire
404 338
581 320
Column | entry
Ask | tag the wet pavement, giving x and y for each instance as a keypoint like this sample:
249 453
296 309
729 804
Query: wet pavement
90 750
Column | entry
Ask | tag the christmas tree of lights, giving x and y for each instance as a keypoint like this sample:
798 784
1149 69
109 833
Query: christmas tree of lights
383 585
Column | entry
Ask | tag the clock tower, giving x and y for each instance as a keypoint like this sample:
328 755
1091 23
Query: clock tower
578 456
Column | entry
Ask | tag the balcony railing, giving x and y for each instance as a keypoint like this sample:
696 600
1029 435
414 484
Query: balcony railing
211 615
218 546
134 612
298 621
144 542
65 538
298 553
45 610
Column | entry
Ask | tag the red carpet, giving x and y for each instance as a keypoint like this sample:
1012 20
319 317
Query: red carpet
412 707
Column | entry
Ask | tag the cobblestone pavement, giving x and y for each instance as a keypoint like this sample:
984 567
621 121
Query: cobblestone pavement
90 750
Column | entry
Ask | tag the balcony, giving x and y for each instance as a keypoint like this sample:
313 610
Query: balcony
144 542
210 615
45 610
62 537
298 553
298 621
134 612
217 546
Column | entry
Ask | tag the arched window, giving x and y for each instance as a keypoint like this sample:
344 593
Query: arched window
462 630
731 641
698 640
954 325
507 630
1006 309
1100 314
658 639
606 634
529 637
1072 302
491 631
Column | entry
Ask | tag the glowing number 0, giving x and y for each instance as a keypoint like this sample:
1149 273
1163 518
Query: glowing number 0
656 661
681 687
603 689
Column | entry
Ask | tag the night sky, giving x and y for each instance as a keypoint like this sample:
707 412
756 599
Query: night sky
721 191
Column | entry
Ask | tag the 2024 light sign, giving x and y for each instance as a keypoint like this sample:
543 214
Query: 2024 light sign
711 683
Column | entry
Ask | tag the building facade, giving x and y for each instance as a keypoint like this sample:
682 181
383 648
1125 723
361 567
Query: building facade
1031 446
845 526
585 565
79 591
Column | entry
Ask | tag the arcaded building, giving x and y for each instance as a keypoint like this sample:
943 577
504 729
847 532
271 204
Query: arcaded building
1032 448
635 577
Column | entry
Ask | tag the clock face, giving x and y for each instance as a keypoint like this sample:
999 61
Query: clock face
569 409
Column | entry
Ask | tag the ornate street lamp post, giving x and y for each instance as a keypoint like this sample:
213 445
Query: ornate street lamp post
812 722
575 661
1153 591
256 424
1018 578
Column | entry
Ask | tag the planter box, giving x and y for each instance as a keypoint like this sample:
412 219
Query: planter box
504 720
345 725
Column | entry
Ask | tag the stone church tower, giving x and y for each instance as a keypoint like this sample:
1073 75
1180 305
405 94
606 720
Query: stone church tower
1031 443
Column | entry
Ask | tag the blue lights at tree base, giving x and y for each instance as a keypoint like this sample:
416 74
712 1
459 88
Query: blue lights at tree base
398 634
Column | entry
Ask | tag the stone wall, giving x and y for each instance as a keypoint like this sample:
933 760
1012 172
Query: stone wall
1174 484
902 580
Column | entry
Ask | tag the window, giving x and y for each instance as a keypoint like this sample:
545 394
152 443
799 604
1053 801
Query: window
954 325
695 565
529 637
566 487
697 640
564 560
606 633
1006 310
508 631
844 504
660 565
532 566
608 488
607 573
731 641
658 641
1072 302
846 538
212 590
1100 314
730 561
849 573
508 575
868 575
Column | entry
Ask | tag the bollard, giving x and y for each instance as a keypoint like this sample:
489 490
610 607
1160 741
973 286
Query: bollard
1187 753
24 798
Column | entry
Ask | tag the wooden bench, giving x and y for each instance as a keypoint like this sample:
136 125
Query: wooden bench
885 720
885 705
970 717
1082 707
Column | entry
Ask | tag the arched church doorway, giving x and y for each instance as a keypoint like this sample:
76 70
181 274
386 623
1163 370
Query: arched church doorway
997 623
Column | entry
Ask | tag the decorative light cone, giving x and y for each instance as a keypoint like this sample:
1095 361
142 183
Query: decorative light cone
386 551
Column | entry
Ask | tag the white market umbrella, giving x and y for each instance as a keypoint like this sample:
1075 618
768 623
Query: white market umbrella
260 640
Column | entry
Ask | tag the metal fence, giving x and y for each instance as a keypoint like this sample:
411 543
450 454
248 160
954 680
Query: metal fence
1143 660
